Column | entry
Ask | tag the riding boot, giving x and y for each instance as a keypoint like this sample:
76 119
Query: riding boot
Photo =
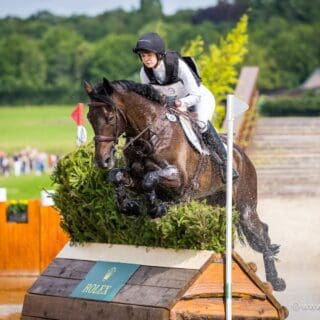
213 141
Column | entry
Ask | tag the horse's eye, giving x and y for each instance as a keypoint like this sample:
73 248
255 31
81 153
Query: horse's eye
110 118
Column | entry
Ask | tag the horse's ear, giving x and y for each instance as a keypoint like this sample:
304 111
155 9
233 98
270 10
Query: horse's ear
88 87
107 86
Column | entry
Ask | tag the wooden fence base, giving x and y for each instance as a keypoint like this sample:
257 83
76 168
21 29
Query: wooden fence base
167 284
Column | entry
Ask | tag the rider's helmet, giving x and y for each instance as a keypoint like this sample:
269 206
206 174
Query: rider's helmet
151 42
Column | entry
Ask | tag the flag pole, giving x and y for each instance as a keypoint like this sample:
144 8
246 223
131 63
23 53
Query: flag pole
77 116
235 107
228 284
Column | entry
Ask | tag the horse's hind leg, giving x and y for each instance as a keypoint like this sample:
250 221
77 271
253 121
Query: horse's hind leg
256 233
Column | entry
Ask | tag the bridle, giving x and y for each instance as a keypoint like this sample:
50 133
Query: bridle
118 114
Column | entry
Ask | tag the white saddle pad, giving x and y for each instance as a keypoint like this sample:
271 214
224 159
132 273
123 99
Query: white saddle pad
191 136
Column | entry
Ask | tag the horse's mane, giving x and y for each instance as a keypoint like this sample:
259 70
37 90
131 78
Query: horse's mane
145 90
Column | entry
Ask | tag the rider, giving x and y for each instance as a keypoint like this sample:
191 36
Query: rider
166 68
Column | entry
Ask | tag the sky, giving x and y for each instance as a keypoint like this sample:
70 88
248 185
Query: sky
25 8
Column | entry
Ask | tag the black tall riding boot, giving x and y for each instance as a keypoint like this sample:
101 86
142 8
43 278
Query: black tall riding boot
213 141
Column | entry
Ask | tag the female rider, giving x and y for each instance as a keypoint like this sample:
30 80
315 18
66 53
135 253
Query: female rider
167 68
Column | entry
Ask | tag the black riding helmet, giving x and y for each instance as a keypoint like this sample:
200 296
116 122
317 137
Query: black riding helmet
150 42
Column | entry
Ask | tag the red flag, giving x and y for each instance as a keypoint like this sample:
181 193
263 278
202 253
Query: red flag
77 114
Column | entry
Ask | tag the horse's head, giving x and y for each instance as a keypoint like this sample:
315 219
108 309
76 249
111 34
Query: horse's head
107 121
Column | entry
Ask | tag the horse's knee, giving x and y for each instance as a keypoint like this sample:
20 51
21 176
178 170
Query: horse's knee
117 176
150 180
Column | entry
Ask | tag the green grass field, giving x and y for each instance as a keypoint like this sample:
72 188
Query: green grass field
46 128
25 187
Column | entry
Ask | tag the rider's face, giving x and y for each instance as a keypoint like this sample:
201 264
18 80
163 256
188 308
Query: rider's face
149 59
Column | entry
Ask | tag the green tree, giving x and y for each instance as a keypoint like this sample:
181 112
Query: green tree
219 65
67 54
22 64
113 58
291 10
151 9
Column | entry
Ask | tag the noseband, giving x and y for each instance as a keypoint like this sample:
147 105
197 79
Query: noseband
116 110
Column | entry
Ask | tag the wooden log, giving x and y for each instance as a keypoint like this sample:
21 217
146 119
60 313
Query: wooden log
162 277
214 308
68 268
50 307
211 284
150 292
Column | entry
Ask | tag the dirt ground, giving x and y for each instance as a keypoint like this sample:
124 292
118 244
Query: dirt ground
294 224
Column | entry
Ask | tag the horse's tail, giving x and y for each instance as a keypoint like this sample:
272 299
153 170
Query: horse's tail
241 235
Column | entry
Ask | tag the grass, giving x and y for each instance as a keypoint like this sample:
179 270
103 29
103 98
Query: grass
46 128
26 187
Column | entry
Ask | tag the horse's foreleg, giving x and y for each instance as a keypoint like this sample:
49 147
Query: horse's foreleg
256 233
120 178
168 176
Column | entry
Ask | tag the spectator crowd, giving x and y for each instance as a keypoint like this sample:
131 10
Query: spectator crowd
27 161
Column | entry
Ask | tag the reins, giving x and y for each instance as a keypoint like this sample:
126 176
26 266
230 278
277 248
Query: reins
194 181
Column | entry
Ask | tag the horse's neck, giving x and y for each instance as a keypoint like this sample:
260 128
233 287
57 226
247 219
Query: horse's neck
141 116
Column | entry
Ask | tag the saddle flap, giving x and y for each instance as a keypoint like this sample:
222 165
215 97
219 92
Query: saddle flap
190 134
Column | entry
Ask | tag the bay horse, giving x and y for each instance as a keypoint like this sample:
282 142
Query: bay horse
161 163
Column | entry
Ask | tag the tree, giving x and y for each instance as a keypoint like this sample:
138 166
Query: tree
22 64
67 54
291 10
113 58
151 8
219 66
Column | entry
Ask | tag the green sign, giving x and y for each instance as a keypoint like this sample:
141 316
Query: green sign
104 280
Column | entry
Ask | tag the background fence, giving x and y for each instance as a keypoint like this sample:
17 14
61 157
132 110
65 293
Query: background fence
27 248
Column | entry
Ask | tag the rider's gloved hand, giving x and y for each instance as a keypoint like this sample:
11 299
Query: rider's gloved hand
179 105
169 101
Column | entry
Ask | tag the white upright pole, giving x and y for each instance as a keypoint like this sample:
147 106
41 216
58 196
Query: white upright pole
235 107
228 284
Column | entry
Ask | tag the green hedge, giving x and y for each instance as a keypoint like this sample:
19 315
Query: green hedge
87 204
307 105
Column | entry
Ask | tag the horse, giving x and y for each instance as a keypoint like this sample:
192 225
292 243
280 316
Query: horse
161 163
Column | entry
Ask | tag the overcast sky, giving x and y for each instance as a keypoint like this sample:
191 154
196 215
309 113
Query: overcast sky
25 8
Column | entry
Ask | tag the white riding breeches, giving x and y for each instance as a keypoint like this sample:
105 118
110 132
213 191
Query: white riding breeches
205 108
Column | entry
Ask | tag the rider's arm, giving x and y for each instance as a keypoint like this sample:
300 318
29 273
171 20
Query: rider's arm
191 88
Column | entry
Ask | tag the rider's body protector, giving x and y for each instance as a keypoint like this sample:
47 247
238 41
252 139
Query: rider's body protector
194 96
171 62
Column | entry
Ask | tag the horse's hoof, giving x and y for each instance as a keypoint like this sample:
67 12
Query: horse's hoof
158 211
131 208
116 176
278 284
150 181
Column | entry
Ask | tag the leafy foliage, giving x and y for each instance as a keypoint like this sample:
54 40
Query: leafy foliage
88 206
307 105
219 66
45 58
